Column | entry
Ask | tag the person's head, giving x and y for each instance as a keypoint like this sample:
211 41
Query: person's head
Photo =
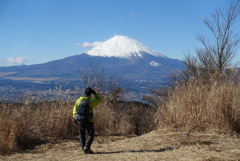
88 91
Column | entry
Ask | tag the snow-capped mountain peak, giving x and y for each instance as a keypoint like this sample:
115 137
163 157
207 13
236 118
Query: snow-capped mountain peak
121 47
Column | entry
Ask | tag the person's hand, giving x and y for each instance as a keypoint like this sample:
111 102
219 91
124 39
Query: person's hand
93 92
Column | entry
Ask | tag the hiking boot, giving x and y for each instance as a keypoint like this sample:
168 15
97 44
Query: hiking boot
87 151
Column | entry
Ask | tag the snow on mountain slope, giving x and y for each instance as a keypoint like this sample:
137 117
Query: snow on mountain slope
121 47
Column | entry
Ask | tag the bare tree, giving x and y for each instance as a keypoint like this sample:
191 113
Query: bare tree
86 76
94 76
217 55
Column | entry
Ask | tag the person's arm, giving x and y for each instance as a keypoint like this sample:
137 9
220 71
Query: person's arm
94 102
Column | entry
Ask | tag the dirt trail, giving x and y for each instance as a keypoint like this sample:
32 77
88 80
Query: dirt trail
157 145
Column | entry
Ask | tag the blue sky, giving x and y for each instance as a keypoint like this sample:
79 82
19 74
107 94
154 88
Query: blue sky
38 31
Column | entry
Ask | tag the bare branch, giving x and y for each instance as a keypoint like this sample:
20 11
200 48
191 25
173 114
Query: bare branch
218 55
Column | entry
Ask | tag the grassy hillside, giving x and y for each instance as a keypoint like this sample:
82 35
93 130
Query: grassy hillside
202 119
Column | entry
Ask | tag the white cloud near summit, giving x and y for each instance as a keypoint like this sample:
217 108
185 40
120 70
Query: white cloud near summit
17 60
88 44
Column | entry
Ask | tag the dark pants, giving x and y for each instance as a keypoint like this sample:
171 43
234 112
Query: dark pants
89 126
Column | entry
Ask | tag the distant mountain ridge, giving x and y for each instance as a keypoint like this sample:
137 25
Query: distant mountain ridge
121 56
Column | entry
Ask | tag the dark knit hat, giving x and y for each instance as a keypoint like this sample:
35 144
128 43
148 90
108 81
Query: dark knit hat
88 91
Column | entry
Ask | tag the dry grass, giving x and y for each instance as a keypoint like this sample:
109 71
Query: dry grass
115 117
193 109
199 106
25 125
162 144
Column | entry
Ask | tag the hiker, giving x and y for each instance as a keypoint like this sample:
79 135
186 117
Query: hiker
83 115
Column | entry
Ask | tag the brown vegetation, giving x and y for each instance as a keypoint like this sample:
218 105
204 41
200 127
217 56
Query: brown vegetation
25 125
124 118
202 105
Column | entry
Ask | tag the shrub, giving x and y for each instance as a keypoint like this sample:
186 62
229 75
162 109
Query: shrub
125 118
197 105
23 126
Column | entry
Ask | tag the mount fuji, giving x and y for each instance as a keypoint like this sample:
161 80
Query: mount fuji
131 62
122 47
